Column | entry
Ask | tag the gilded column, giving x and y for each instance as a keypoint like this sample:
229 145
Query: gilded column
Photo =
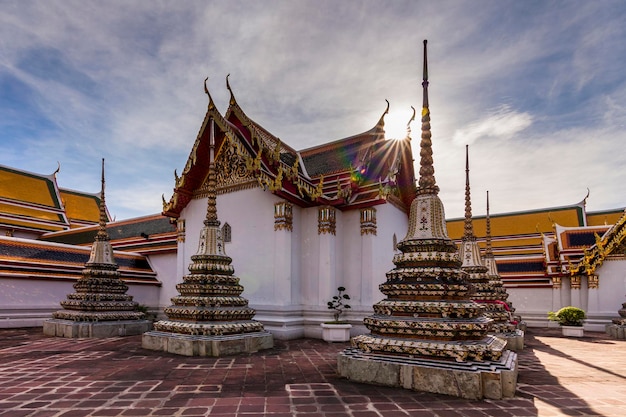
368 231
326 221
575 292
556 295
182 260
327 268
368 221
593 299
283 226
283 216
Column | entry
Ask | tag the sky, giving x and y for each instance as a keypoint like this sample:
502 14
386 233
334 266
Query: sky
537 89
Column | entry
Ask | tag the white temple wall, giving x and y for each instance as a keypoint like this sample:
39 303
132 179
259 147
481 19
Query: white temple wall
164 264
309 266
147 295
352 261
296 257
532 304
391 221
27 303
600 304
604 302
250 213
252 245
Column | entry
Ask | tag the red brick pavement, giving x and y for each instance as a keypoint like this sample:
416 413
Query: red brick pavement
54 377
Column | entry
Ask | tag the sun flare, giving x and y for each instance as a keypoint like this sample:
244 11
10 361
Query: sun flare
396 123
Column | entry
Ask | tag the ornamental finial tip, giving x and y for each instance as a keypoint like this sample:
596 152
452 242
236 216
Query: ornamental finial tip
381 121
228 83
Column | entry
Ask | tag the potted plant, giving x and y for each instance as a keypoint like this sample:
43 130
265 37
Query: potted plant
571 320
337 330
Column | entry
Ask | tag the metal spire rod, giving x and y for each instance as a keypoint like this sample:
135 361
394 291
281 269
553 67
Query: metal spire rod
468 227
488 250
102 229
426 183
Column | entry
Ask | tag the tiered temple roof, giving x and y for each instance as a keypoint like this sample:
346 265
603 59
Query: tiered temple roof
145 235
33 203
359 171
34 260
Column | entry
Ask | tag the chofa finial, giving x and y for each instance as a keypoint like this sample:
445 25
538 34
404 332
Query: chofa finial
381 121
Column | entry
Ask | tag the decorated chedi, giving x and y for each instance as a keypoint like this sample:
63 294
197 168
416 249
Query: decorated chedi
495 281
486 290
100 306
428 335
209 317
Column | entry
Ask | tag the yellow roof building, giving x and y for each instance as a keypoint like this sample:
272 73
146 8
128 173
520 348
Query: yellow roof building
535 248
32 204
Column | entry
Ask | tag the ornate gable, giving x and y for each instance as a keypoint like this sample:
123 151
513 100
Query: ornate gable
611 245
360 171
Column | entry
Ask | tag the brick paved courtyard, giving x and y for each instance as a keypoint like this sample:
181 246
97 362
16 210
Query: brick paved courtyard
53 377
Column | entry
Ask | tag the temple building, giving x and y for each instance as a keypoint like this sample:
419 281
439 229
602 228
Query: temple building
301 223
298 223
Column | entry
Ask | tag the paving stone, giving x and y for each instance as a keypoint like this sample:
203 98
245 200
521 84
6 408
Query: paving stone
77 377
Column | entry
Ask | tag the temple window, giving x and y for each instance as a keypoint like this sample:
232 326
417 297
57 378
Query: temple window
226 233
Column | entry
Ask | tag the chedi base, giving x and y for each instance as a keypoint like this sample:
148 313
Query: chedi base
471 380
215 346
95 329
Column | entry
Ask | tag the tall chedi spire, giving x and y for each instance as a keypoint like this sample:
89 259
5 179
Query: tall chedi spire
209 317
484 293
427 332
100 306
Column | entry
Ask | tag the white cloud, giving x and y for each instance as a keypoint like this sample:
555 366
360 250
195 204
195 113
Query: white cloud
316 71
502 123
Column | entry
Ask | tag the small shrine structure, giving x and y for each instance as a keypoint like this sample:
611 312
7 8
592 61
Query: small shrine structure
100 306
428 335
209 317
